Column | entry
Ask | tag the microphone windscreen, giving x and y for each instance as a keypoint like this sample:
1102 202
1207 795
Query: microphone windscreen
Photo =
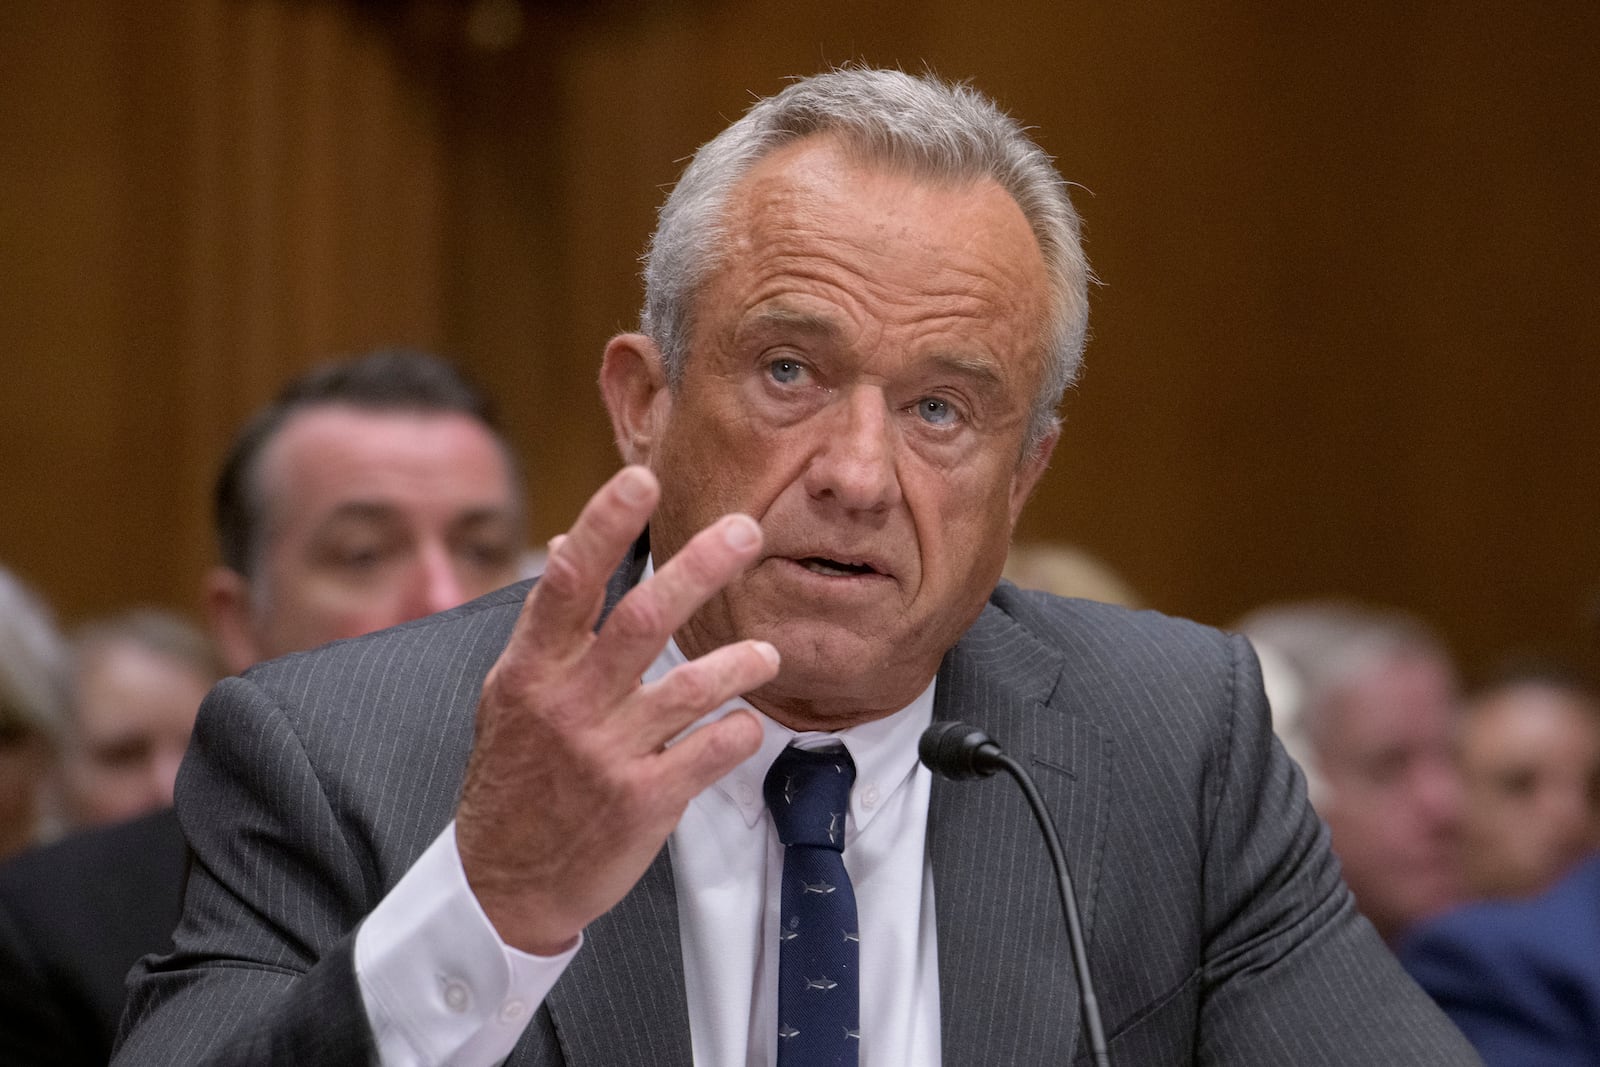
957 750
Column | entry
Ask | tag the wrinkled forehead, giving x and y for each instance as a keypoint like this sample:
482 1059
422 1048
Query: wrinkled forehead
816 194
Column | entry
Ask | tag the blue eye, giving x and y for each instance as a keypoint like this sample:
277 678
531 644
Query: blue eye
936 411
785 371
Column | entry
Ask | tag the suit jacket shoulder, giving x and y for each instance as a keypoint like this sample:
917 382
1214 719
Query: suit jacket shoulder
1218 929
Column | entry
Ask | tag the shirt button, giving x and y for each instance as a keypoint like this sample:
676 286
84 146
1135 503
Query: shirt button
457 997
869 796
512 1010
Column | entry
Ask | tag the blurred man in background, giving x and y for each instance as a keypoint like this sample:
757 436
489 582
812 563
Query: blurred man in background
137 682
371 492
1374 714
1530 760
1521 978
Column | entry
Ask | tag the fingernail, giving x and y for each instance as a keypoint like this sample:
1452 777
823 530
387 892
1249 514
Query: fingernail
555 545
632 486
741 533
768 653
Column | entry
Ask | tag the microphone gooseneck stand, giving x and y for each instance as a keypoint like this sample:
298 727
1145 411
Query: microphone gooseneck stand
962 752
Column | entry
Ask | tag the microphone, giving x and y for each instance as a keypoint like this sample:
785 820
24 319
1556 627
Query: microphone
961 752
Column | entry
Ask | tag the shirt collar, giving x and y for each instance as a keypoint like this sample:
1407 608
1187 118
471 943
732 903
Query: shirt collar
883 750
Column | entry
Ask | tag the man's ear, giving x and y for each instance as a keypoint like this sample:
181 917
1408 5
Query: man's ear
225 596
1029 471
633 381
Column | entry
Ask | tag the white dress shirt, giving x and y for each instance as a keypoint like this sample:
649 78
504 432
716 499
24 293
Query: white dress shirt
439 986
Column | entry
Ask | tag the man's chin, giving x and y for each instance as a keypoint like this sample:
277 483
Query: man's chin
831 673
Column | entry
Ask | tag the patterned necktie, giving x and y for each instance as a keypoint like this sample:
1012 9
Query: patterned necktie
808 793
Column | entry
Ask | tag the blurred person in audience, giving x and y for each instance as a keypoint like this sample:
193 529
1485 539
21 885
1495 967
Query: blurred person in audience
1530 761
1520 978
1373 717
137 682
1067 570
33 686
370 492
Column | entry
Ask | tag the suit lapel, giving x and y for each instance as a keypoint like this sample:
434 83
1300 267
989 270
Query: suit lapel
1006 985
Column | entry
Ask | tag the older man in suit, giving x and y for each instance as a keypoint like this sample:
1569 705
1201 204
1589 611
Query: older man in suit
554 825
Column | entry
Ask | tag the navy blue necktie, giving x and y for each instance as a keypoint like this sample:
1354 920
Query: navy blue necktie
808 793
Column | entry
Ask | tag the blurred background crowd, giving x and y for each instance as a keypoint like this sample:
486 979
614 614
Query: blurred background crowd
1339 397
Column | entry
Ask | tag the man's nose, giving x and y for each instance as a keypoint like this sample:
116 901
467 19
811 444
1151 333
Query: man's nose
1439 792
438 582
854 461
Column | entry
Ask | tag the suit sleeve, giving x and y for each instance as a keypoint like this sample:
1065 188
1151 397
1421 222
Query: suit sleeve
1292 973
262 970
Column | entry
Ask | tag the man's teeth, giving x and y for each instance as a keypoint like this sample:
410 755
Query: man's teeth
833 568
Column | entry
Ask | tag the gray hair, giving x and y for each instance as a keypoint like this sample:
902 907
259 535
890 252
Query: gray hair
33 665
921 124
1310 651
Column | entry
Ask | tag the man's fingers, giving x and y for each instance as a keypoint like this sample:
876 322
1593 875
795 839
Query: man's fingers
653 610
690 690
709 753
567 598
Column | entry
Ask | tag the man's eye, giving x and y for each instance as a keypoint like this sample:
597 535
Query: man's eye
785 371
489 555
358 558
123 754
1520 783
936 411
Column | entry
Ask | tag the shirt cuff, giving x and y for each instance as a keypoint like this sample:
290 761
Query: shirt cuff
438 984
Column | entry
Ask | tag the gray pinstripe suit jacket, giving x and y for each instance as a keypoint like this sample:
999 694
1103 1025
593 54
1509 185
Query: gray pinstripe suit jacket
1217 926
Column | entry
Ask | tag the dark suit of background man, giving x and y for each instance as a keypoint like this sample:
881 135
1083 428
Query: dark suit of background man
1520 977
487 834
372 491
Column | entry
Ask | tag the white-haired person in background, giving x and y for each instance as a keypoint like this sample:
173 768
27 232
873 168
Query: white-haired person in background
33 696
1366 700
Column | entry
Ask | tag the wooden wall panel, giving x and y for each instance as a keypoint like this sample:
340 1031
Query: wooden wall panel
201 200
1344 343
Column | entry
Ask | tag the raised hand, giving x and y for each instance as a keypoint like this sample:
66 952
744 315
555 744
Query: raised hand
570 790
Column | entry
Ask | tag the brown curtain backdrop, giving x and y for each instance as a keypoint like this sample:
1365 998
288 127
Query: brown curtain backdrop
1345 340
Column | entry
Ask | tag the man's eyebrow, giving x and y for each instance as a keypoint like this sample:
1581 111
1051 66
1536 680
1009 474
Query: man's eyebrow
779 318
981 371
487 515
356 513
359 511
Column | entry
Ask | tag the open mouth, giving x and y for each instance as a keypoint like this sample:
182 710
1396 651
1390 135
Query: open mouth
834 568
